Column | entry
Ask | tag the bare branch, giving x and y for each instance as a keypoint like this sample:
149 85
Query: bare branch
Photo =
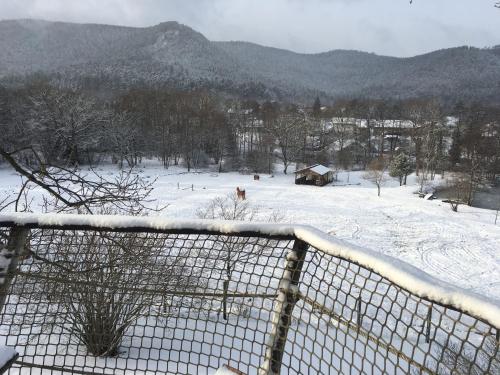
6 202
31 177
72 189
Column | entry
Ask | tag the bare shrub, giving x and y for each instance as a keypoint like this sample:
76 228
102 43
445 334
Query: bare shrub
458 187
227 207
100 288
100 283
233 249
458 359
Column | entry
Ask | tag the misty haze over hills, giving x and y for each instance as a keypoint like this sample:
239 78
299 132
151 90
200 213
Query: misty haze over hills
177 56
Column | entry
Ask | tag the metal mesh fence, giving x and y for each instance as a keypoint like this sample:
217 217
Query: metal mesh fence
350 320
86 301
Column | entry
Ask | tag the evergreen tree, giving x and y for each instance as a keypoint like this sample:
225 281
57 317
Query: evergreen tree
317 107
400 167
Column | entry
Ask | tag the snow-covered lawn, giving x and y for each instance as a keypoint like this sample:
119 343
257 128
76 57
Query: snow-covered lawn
462 248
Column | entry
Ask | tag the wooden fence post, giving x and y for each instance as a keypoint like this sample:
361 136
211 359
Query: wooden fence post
428 327
224 299
283 308
9 259
359 318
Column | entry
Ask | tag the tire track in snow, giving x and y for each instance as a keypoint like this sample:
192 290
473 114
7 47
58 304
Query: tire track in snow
452 260
431 261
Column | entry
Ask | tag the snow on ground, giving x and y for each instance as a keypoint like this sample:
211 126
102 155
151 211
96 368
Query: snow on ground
461 248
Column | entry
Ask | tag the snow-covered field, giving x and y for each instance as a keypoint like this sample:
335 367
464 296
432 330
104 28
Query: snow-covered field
461 248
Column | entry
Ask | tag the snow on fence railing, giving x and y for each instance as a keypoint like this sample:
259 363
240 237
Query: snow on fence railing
112 294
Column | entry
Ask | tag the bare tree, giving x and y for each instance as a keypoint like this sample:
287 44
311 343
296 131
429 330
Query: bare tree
233 251
479 147
458 188
123 139
341 132
345 159
496 213
425 117
289 130
376 173
66 125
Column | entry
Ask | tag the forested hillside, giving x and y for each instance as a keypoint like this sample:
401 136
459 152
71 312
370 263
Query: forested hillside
174 55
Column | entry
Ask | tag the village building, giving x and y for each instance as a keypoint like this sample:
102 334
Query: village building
316 174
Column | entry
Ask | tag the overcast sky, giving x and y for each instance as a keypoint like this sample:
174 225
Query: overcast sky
390 27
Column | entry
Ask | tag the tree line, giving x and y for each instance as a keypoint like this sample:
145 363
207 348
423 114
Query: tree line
44 125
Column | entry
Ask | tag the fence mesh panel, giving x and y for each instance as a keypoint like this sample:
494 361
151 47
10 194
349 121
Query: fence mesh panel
350 320
87 301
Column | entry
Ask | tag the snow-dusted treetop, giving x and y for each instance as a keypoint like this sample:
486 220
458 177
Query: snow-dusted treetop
401 273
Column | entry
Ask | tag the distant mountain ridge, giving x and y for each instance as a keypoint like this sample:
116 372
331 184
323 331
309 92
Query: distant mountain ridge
176 55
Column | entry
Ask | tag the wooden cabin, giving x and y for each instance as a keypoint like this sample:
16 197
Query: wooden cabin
316 174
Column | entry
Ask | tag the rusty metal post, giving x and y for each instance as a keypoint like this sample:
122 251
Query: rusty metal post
284 304
9 258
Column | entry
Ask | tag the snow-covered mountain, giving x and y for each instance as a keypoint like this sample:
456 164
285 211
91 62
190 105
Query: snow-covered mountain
176 55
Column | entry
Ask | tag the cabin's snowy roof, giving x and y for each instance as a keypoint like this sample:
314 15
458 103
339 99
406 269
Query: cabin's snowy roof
317 168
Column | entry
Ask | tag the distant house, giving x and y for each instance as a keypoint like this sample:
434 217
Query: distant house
317 174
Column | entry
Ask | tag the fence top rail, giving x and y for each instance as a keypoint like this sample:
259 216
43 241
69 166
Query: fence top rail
118 223
403 274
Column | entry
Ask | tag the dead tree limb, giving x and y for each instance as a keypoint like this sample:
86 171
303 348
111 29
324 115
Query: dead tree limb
70 188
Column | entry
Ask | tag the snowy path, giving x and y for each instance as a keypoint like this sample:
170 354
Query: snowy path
462 248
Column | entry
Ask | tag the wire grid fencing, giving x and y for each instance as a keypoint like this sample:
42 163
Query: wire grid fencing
89 301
